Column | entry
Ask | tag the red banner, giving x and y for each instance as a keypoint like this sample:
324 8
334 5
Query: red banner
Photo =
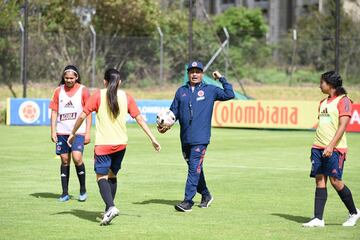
354 124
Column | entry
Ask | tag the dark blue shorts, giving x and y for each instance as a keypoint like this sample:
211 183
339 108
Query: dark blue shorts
329 166
63 147
102 163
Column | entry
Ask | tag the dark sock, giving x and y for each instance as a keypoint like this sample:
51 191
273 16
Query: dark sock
113 186
80 171
64 174
346 197
105 192
320 201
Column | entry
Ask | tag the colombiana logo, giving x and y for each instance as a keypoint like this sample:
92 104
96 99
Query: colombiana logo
29 112
194 64
201 93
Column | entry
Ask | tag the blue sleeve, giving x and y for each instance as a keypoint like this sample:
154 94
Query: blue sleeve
224 94
175 105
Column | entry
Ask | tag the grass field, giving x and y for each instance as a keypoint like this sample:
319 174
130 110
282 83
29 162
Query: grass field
259 180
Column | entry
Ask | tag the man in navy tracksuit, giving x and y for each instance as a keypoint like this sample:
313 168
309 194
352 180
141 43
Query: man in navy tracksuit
193 106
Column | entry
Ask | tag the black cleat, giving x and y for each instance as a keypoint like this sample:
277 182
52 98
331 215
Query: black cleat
184 206
206 201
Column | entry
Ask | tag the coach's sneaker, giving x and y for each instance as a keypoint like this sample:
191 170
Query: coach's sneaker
206 200
315 222
82 197
184 206
109 215
64 198
351 221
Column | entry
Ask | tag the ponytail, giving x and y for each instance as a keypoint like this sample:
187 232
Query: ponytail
340 91
112 76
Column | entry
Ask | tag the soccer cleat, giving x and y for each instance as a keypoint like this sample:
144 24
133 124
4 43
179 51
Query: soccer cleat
64 198
82 197
109 215
315 222
184 206
351 221
206 200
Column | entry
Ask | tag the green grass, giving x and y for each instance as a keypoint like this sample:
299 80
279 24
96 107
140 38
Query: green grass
259 179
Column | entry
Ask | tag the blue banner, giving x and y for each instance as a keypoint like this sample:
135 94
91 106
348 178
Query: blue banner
35 111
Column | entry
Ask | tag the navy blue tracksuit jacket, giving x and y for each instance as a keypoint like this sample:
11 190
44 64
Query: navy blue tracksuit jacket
194 110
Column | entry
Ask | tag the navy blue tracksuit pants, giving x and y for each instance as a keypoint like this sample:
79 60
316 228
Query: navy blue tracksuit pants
194 156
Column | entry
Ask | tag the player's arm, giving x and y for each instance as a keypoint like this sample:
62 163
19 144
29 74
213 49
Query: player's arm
77 125
53 119
223 94
343 122
135 113
54 106
86 96
88 129
91 105
140 120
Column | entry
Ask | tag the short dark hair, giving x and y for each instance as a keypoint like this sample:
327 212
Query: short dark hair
334 79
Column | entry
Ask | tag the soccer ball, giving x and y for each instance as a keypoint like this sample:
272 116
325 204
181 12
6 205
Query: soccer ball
165 118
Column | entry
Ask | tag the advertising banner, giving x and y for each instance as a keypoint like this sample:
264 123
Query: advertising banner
273 115
354 124
34 111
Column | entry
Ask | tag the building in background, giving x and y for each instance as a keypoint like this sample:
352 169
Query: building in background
281 15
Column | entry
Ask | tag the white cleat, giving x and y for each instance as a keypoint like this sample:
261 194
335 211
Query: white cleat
315 222
351 221
111 213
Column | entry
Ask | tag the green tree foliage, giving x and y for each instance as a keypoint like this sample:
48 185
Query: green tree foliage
129 18
127 38
9 13
9 17
174 24
247 29
316 41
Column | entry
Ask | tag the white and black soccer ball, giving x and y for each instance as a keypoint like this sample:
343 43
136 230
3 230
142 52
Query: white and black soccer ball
165 118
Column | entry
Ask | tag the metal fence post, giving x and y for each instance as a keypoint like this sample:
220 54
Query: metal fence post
25 60
161 52
94 56
227 50
22 51
221 48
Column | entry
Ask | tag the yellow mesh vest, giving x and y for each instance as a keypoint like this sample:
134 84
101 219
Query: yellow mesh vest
328 124
111 131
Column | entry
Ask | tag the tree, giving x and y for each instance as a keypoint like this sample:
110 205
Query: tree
317 41
9 13
247 29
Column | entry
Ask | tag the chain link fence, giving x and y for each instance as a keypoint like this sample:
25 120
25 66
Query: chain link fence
139 58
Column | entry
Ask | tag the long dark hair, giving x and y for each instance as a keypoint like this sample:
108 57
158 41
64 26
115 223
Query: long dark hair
112 76
334 79
73 69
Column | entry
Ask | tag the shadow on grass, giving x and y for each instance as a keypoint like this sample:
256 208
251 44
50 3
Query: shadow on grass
93 216
159 201
298 219
45 195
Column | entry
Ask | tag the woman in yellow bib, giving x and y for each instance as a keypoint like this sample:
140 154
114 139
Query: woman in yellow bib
111 106
329 149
